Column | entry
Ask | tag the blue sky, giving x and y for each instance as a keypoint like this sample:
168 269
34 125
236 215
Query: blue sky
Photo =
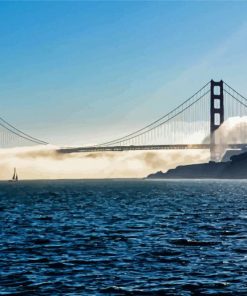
84 72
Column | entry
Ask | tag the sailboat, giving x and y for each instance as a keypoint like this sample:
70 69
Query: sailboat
15 177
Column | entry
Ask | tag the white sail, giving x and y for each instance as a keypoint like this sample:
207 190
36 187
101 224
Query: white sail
14 176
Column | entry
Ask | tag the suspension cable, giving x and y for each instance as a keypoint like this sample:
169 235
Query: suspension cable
170 117
235 91
235 98
18 132
21 136
133 134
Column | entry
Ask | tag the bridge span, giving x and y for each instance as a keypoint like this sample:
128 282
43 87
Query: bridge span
146 147
198 119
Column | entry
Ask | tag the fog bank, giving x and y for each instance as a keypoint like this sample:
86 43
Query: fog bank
44 162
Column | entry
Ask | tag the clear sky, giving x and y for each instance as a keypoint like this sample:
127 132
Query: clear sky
85 72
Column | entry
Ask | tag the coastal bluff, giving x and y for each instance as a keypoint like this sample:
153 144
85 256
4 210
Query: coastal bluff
236 168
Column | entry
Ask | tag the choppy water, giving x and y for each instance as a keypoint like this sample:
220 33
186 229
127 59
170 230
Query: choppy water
123 238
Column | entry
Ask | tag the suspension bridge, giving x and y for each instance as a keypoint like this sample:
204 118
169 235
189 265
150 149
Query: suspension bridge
194 124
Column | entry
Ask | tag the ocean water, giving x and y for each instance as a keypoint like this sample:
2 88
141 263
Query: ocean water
123 238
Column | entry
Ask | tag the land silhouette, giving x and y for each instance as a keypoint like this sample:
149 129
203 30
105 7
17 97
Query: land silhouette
235 168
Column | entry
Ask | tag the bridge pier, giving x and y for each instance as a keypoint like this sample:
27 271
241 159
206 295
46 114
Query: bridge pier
216 115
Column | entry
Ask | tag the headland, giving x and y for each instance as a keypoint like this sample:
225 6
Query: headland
235 168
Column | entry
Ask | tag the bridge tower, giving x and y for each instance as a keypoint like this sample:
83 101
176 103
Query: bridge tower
216 115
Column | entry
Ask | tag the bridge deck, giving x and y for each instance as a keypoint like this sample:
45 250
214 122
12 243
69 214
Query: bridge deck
144 147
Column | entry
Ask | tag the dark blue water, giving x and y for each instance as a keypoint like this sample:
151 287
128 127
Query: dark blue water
123 238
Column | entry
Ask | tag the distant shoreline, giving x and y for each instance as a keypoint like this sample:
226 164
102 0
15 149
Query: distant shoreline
236 168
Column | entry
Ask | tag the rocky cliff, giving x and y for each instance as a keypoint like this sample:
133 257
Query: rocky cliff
236 168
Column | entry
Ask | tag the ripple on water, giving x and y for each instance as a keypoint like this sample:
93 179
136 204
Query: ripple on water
123 238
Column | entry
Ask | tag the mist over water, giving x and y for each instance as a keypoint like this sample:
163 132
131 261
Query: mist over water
45 162
119 237
123 238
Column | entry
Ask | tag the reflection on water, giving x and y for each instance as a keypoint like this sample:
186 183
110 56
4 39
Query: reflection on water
123 238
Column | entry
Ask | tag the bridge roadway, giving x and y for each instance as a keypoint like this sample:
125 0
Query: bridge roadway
144 147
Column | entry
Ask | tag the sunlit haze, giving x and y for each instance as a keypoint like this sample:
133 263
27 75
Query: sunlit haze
76 73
